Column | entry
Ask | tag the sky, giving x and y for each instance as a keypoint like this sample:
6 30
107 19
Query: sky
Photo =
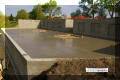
12 9
34 2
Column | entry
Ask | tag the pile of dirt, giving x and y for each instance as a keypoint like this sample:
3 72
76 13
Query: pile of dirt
76 70
75 67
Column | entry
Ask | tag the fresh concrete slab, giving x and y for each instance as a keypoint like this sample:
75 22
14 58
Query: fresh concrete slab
39 44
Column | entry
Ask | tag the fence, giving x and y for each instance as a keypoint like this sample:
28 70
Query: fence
57 25
97 28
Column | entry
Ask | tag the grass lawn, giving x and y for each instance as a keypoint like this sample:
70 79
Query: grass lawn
11 24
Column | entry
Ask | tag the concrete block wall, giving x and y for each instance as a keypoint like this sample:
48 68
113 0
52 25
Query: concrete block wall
15 62
57 24
69 23
28 23
97 28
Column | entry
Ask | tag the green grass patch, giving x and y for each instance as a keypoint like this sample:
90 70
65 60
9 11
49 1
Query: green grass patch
11 24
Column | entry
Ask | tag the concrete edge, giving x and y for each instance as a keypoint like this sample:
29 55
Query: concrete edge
23 53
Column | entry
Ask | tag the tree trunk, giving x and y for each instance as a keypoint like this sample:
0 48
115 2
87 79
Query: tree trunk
93 16
111 14
50 14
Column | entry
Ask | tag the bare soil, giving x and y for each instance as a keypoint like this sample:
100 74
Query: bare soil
75 70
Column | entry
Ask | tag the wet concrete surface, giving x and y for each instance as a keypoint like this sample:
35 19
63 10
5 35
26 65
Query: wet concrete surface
44 44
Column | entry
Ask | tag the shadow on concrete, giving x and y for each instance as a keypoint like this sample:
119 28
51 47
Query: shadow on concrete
110 50
43 75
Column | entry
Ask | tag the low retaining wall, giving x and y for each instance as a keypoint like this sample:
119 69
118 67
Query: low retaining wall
57 25
28 23
97 28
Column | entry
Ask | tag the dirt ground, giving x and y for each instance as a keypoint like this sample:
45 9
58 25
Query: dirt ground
75 70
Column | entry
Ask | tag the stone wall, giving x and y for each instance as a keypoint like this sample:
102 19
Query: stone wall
57 25
97 28
28 23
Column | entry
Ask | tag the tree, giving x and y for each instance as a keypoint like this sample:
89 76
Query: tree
76 13
73 14
22 14
51 8
89 7
48 9
11 18
102 11
84 7
2 20
37 13
110 6
57 12
117 9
